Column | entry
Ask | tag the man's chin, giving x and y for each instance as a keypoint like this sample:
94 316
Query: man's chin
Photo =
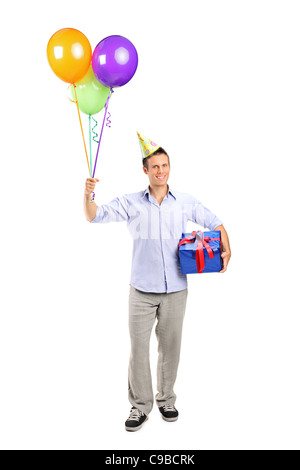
161 182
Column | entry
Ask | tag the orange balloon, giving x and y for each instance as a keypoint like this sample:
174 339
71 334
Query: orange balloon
69 54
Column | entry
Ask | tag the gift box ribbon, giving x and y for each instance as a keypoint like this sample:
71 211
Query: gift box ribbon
202 243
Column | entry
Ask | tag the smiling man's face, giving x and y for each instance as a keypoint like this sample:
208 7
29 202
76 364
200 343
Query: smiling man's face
158 169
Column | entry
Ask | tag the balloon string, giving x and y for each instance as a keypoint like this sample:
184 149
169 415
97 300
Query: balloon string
90 142
94 132
106 106
108 121
76 101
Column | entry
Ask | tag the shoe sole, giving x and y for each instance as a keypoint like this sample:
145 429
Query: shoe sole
169 419
130 429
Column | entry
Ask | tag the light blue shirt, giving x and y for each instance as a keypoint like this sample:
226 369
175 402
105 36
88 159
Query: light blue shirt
156 230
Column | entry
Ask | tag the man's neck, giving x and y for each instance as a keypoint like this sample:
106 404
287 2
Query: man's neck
159 192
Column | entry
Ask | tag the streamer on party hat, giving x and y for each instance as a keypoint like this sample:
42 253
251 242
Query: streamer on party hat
147 146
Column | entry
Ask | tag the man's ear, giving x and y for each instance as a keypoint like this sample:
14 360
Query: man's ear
145 170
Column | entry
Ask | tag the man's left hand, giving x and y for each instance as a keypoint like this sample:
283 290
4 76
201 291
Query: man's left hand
225 258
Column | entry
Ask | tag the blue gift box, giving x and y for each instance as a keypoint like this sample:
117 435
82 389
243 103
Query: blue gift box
200 252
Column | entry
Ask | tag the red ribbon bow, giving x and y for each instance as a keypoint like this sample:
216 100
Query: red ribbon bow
202 242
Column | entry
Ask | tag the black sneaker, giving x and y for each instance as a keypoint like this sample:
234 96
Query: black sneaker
135 420
169 412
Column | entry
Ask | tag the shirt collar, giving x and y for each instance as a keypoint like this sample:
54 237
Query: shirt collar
147 193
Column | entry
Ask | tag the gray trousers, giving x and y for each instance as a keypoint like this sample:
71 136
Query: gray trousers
144 309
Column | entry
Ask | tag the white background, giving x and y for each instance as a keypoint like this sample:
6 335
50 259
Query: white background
218 86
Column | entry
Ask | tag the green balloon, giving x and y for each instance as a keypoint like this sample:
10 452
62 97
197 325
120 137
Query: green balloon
91 94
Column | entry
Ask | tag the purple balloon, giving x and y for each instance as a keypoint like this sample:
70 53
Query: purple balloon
114 61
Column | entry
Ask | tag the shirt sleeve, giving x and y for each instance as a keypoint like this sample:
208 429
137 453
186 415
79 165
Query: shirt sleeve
203 216
114 211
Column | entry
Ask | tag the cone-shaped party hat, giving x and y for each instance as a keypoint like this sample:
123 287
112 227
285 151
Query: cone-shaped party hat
147 146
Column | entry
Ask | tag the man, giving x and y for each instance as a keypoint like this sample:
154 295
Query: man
156 219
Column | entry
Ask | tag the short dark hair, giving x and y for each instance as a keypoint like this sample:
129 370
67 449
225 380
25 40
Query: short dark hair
159 151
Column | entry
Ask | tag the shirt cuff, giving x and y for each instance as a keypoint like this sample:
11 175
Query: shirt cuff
97 216
216 222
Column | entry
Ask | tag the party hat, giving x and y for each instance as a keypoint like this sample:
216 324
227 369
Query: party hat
147 146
